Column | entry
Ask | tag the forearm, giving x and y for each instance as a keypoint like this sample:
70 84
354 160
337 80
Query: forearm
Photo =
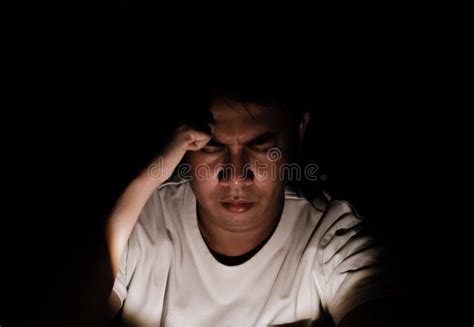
125 214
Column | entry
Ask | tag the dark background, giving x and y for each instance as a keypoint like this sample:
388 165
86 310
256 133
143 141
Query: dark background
87 133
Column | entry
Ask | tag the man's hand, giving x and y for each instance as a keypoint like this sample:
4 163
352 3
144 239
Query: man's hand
185 138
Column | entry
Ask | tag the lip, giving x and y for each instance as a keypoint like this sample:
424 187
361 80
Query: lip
237 206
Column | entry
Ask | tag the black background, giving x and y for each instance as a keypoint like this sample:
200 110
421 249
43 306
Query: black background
75 137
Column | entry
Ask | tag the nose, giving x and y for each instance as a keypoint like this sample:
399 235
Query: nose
236 170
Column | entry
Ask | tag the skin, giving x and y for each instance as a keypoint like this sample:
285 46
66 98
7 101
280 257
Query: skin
242 138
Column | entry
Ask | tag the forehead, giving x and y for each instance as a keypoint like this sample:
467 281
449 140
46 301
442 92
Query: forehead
242 121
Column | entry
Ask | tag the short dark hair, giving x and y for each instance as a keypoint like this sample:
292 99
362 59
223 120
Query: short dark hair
270 95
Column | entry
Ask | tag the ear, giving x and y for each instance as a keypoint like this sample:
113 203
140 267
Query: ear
304 122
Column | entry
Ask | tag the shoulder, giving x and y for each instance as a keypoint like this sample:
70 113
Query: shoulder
326 220
323 208
160 213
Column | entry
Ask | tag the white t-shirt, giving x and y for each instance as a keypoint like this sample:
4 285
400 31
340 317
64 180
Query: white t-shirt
317 262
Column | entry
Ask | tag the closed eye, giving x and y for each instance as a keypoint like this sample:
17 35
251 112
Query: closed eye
263 142
260 143
262 147
212 149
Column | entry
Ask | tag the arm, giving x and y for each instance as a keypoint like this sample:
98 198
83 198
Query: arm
354 272
125 214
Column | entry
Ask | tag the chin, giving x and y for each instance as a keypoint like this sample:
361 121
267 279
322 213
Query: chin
240 219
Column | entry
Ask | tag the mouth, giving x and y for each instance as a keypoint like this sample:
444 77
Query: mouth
237 206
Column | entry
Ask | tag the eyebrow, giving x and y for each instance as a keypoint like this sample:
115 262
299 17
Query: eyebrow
259 139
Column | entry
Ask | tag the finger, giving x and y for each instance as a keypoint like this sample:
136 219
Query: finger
197 136
198 145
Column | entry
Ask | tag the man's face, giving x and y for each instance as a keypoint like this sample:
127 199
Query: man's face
236 177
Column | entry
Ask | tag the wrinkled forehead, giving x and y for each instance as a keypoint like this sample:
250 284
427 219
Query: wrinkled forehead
238 122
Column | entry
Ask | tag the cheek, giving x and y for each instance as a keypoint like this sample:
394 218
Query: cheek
203 179
201 168
203 190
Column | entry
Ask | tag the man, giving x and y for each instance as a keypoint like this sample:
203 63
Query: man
235 244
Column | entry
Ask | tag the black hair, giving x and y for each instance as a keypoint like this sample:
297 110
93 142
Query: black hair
271 95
